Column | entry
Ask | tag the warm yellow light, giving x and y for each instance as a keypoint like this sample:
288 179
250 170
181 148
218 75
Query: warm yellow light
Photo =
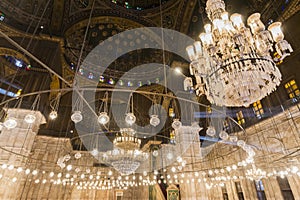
198 47
219 24
255 23
206 38
207 28
276 31
237 20
191 53
224 16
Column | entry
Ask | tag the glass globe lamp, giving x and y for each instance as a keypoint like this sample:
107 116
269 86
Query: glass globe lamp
240 143
10 123
53 115
223 135
233 138
76 117
77 155
130 118
155 153
95 152
154 120
176 124
29 118
211 131
103 118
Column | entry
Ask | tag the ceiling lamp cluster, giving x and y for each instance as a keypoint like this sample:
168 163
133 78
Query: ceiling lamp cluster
126 157
235 65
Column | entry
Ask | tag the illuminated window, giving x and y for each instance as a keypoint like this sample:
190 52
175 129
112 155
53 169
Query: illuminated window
225 194
240 117
260 190
258 109
292 89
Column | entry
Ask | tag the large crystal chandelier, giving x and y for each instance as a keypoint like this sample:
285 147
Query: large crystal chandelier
126 157
235 65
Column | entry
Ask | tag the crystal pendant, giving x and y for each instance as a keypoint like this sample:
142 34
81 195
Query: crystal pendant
10 123
176 124
154 120
211 131
29 118
103 118
53 115
76 117
130 118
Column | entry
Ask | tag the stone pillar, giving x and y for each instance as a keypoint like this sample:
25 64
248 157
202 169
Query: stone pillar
249 190
231 190
272 189
294 182
18 140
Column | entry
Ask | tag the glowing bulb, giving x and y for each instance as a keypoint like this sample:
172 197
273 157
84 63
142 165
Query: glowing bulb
69 167
53 115
176 124
76 117
275 29
19 169
155 153
77 155
10 123
29 118
154 120
211 131
103 118
130 118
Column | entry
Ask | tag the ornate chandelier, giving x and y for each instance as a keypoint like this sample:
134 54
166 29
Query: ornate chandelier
235 65
126 157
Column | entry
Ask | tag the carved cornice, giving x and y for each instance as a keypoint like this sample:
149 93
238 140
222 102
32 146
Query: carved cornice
292 9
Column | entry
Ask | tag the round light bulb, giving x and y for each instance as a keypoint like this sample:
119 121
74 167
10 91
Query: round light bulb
29 118
155 153
154 120
130 118
103 118
77 155
69 167
176 124
211 131
10 123
53 115
76 117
